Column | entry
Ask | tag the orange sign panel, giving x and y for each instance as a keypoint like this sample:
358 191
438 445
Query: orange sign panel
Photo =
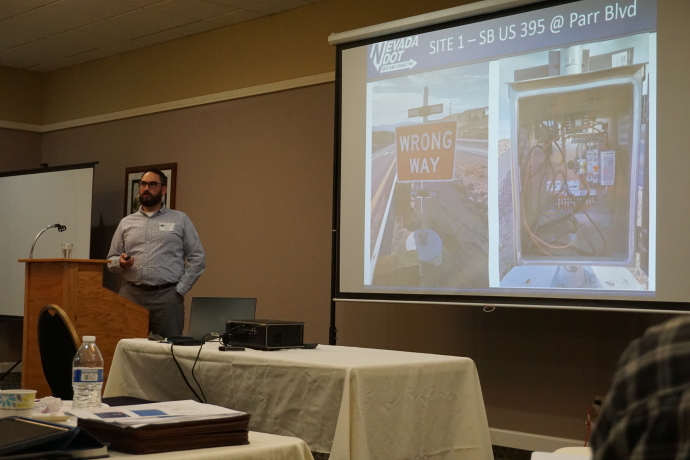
426 152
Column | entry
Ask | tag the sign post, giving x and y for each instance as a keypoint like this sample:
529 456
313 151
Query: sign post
425 153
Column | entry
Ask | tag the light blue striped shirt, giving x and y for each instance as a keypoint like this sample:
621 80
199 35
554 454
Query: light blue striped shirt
159 245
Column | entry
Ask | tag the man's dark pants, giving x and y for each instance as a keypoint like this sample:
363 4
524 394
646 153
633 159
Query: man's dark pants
165 306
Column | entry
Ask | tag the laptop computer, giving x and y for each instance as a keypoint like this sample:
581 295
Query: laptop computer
211 314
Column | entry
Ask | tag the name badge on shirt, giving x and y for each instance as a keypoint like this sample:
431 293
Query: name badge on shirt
166 227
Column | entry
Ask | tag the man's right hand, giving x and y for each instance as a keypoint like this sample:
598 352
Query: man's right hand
126 261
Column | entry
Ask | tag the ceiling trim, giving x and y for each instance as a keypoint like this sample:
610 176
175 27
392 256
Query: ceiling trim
194 101
174 105
21 126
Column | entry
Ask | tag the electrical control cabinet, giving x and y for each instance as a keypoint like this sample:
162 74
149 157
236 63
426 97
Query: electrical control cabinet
576 157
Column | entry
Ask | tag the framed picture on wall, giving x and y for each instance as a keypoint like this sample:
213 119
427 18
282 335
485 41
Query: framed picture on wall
132 178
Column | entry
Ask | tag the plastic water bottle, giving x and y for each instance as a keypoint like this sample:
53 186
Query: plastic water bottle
87 375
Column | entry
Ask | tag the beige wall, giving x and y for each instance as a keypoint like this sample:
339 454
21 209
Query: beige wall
272 49
19 150
254 178
275 48
21 96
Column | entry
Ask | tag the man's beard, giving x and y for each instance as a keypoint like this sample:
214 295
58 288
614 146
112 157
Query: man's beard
151 199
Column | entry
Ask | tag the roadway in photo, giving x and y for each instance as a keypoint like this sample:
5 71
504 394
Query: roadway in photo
458 215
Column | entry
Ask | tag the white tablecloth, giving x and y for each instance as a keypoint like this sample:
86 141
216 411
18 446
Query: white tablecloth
356 403
261 446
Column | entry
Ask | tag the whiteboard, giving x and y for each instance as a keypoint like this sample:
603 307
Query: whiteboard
29 202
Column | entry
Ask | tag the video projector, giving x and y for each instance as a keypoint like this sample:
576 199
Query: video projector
264 334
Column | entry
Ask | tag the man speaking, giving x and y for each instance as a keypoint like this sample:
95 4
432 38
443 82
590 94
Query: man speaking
160 254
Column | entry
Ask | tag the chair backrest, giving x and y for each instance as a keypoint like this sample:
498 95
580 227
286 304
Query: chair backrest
58 342
210 314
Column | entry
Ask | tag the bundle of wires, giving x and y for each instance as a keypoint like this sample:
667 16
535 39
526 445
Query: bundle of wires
201 398
535 229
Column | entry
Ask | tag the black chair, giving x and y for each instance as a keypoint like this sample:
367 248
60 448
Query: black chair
58 342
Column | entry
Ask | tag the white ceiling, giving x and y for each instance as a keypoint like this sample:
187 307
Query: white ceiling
45 35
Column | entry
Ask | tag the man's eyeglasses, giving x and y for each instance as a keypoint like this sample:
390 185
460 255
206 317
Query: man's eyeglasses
150 185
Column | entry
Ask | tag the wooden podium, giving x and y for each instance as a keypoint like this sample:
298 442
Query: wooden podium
75 285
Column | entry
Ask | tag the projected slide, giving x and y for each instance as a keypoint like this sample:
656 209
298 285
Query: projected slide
513 155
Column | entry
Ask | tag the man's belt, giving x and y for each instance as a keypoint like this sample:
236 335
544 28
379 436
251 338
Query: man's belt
146 287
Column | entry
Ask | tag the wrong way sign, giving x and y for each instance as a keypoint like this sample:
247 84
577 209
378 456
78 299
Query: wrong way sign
426 152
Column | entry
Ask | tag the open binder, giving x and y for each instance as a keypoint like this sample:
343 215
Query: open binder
167 437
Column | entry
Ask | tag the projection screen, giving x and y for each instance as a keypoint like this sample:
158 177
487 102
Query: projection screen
31 201
514 157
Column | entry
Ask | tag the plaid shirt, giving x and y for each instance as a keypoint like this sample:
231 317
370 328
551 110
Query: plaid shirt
646 414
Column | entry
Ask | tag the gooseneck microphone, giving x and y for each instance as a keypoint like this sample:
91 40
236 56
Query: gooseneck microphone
60 227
